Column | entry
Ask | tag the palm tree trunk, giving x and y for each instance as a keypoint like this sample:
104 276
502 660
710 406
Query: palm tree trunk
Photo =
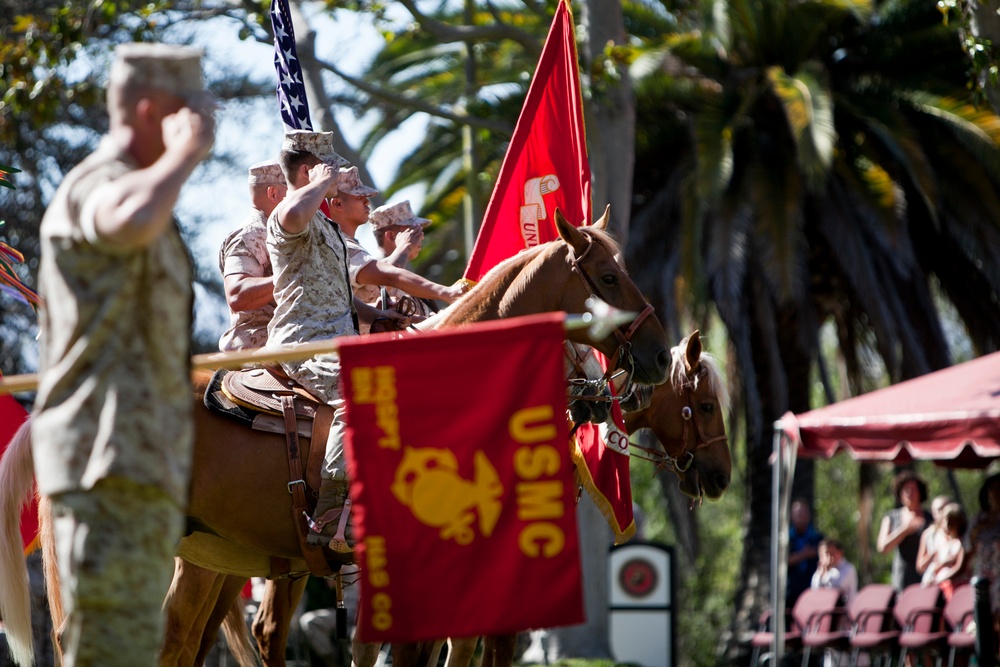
867 478
610 115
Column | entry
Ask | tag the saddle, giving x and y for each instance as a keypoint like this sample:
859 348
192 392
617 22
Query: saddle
273 402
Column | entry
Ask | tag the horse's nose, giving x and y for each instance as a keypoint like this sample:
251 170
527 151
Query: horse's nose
663 361
721 481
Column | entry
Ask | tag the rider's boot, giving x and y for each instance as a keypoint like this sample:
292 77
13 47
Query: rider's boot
329 523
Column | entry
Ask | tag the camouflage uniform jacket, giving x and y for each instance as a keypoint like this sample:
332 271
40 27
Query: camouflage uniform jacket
114 396
312 289
245 252
357 259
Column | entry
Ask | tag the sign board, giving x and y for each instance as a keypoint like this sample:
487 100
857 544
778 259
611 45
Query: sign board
642 622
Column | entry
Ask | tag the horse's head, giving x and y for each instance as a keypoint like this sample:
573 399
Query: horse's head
638 347
686 415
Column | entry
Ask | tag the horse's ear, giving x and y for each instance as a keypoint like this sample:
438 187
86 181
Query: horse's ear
570 234
603 222
692 357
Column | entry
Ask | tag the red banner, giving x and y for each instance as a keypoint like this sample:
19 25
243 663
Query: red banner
462 483
12 415
601 455
546 164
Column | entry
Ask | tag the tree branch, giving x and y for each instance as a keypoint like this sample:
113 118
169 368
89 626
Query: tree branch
446 33
412 102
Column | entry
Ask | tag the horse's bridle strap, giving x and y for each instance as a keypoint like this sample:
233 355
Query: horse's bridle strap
681 463
624 337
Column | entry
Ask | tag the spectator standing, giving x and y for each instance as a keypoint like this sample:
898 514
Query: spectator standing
949 565
930 538
984 541
803 551
901 528
112 431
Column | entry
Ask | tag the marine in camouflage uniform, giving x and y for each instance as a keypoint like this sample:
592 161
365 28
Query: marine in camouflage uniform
246 266
399 234
350 209
112 430
312 293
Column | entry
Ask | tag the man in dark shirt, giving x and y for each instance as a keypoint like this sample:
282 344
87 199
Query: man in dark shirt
803 551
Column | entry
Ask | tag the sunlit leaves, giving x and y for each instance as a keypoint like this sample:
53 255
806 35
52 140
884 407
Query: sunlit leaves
809 109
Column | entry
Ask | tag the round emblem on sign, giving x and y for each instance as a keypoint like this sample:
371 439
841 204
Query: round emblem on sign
637 577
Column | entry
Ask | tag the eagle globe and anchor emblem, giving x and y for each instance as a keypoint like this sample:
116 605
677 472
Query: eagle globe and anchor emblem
427 480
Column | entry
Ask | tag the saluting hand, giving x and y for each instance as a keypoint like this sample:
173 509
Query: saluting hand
457 290
325 174
410 236
190 131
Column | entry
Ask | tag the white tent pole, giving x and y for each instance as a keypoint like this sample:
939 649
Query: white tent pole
785 452
777 587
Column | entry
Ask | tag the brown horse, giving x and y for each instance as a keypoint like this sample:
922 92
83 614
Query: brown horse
240 511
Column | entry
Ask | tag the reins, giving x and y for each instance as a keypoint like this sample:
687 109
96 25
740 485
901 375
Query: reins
681 463
580 378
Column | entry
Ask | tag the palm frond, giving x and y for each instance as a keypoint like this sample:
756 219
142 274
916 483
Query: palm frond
808 107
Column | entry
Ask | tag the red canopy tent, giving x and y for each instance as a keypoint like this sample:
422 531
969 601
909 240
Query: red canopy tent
951 417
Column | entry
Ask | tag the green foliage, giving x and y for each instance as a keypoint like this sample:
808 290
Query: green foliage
36 47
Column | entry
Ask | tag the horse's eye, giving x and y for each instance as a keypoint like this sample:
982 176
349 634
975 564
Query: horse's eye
707 408
609 279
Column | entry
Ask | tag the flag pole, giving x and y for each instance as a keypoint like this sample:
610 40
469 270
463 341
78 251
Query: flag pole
600 319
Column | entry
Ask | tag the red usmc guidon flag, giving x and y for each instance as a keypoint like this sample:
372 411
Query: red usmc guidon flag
462 483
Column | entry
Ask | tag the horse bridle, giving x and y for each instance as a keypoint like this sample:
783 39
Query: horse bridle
682 463
624 336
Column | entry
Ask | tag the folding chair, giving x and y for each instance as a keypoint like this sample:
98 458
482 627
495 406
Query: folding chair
960 616
873 629
918 612
811 609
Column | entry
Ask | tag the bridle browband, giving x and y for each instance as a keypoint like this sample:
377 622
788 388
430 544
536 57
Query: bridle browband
624 336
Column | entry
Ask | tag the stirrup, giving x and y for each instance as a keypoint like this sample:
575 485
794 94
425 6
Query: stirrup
338 541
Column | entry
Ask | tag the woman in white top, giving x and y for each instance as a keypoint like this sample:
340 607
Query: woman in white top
930 539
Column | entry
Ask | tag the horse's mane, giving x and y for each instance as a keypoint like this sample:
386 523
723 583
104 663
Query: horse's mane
716 384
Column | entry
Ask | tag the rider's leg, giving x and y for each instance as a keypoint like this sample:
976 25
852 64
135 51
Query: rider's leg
321 376
329 521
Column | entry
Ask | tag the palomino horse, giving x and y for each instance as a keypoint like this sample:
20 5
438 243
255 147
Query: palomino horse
240 511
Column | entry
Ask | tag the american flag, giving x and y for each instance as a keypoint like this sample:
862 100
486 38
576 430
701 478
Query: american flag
291 91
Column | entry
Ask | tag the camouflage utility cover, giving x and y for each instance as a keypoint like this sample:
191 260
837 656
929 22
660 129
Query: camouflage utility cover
357 259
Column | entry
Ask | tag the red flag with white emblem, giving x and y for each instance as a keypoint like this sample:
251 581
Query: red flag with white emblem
546 164
462 484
